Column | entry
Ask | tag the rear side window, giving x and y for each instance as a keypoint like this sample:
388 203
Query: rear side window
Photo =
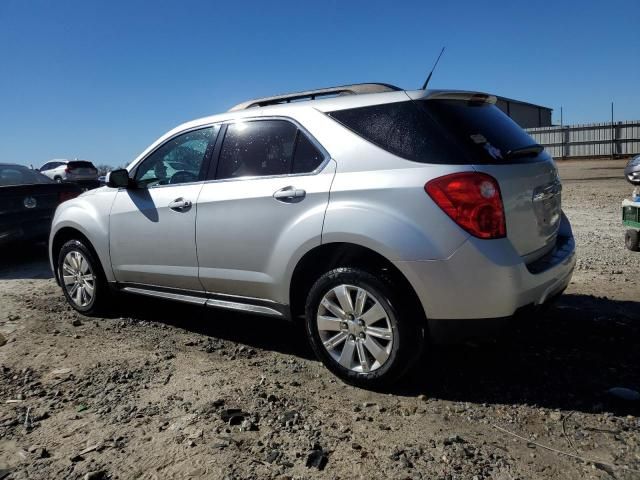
439 131
261 148
307 156
257 148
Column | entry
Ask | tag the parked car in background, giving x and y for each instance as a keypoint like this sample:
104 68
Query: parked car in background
631 207
370 213
632 171
28 201
82 172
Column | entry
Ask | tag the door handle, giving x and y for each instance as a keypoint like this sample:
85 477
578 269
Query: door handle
290 194
180 204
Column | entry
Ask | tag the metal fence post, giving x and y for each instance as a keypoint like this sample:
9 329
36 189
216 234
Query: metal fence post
613 133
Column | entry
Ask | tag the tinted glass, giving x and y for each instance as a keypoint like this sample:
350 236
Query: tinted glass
80 164
180 160
257 148
439 131
18 175
482 129
307 157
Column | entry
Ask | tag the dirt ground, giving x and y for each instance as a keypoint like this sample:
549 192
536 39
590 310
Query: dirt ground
162 390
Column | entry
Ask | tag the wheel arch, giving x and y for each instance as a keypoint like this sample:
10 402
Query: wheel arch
328 256
62 236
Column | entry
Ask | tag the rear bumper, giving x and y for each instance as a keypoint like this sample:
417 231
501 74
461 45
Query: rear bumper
487 279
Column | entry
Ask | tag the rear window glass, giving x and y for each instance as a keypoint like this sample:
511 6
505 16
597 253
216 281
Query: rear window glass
80 164
440 131
17 175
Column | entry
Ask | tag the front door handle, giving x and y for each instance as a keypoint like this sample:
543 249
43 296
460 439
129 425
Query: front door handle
290 195
180 205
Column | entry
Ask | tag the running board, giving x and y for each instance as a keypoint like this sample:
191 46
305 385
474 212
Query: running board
206 301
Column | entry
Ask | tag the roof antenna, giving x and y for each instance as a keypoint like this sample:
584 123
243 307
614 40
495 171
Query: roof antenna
426 82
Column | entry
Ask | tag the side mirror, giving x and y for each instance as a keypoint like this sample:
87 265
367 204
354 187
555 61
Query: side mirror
118 178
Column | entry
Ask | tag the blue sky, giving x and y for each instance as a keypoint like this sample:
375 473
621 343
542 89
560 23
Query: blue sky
102 79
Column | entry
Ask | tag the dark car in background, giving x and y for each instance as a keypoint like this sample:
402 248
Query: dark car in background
28 201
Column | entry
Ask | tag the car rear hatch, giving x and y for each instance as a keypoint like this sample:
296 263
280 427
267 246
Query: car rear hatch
527 175
82 169
467 130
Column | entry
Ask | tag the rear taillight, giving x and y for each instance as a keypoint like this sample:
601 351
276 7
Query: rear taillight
67 170
472 200
64 196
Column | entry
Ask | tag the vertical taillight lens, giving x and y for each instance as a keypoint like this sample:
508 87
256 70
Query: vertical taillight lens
472 200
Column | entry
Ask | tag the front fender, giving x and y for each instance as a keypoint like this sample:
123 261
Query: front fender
90 216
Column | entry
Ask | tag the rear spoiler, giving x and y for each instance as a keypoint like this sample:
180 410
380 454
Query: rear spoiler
472 97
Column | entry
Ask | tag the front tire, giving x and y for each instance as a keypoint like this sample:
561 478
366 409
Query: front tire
361 329
81 277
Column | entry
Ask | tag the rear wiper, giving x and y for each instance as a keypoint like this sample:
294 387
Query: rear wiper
528 151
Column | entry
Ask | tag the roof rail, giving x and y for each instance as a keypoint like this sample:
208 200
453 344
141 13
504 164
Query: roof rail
355 89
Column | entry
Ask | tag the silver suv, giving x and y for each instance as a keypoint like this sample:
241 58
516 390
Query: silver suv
371 213
77 171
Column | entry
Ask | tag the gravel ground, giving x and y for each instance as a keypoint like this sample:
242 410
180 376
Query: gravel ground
164 390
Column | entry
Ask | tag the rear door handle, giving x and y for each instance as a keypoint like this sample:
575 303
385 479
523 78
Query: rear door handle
180 205
290 194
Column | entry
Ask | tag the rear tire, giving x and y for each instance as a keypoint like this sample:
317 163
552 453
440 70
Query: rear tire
372 338
632 240
58 180
82 279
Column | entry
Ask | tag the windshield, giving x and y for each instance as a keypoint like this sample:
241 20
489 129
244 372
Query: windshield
19 175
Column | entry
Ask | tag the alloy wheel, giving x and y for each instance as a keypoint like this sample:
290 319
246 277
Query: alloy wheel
78 278
355 328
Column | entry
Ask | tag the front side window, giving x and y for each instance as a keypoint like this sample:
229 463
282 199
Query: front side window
257 148
180 160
